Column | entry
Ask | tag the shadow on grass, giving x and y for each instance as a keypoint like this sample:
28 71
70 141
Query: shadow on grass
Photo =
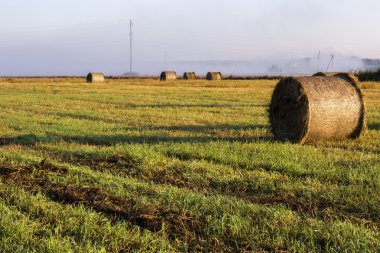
84 116
374 126
200 129
109 140
194 105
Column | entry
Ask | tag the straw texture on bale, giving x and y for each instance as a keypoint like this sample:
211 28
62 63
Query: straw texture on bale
305 109
168 76
326 73
189 76
214 76
95 78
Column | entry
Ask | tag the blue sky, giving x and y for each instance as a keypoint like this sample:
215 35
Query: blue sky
72 37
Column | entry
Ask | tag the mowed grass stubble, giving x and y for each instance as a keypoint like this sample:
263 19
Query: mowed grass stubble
182 166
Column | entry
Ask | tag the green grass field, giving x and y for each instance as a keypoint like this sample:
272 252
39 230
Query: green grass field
180 166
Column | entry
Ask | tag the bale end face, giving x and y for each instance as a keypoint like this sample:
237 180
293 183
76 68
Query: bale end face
288 112
305 109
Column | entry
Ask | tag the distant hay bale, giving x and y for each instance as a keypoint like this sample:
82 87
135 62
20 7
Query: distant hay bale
305 109
95 78
214 76
189 76
168 76
326 73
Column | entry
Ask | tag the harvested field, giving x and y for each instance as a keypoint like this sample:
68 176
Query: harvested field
185 166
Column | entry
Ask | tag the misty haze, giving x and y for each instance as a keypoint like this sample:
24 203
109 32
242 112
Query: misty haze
239 38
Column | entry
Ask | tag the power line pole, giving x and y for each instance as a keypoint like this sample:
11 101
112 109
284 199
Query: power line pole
319 57
165 59
130 47
331 62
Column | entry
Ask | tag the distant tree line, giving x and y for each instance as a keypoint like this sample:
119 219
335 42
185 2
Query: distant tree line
369 75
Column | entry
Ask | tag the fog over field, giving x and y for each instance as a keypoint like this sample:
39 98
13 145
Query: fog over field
236 37
275 66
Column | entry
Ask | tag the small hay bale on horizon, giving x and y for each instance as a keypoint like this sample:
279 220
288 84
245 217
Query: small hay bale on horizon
168 76
189 76
214 76
305 109
95 78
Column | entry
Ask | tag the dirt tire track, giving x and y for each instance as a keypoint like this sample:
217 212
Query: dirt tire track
127 166
179 224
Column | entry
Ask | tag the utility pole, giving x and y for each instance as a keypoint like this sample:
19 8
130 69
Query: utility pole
331 62
319 57
130 47
165 59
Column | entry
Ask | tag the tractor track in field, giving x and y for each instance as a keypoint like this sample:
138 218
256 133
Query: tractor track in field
178 223
125 166
260 166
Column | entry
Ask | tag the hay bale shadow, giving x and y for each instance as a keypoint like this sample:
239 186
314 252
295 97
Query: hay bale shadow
110 140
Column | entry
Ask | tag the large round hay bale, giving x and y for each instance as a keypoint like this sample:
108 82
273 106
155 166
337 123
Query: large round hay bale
95 78
305 109
189 76
168 76
214 76
326 73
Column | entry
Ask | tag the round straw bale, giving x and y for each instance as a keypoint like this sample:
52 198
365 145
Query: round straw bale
214 76
305 109
168 76
326 73
189 76
95 78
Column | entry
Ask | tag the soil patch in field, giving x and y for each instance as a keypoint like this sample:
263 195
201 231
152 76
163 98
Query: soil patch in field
175 176
179 224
